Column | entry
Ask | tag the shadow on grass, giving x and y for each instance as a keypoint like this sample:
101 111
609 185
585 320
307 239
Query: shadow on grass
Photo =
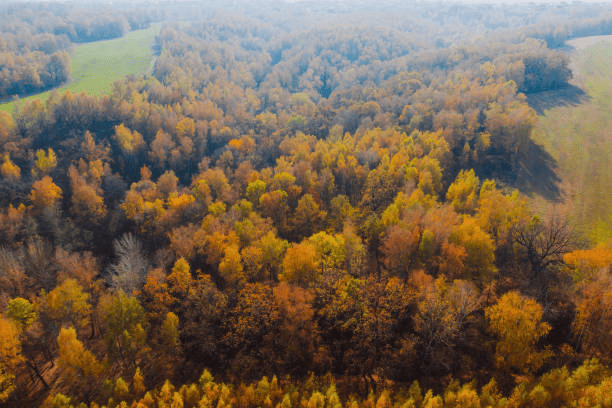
570 95
537 174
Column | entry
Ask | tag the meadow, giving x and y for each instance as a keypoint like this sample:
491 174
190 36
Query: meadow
579 137
96 65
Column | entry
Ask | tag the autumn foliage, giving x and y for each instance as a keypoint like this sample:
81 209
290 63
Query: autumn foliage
318 214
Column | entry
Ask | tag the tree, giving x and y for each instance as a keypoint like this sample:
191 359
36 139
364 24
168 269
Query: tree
9 170
125 325
130 142
442 313
170 333
254 191
400 250
249 323
230 267
274 206
480 250
273 250
45 193
593 322
516 321
82 267
45 163
300 264
10 357
12 224
296 338
307 217
80 364
21 312
204 316
543 244
87 203
331 250
180 280
540 247
67 303
463 192
129 272
499 213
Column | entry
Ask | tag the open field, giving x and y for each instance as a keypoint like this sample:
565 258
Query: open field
577 132
98 64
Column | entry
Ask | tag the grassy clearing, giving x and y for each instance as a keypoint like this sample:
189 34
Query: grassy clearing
97 65
580 139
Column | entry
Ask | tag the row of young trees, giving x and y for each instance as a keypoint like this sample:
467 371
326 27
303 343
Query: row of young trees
311 211
588 385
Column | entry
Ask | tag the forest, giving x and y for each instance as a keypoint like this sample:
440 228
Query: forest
302 205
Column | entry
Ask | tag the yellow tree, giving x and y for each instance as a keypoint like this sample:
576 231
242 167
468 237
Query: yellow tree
593 324
300 264
68 303
9 170
180 278
516 321
129 142
45 193
273 249
230 267
480 250
87 203
45 162
499 213
170 333
10 357
463 192
80 364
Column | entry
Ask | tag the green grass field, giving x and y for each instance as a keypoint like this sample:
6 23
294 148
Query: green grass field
96 65
580 139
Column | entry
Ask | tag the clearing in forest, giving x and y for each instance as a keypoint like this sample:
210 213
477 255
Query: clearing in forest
96 65
575 127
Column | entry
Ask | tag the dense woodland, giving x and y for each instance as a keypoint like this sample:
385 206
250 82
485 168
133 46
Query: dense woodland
303 205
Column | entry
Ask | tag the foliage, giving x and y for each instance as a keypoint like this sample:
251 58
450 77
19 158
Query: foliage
292 194
516 321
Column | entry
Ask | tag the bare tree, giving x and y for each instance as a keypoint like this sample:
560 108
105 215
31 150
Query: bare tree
129 272
40 263
543 244
13 280
540 246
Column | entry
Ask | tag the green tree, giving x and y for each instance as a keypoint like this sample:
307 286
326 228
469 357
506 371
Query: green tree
125 324
21 312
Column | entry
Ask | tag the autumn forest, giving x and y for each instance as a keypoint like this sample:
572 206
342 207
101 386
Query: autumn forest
308 204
